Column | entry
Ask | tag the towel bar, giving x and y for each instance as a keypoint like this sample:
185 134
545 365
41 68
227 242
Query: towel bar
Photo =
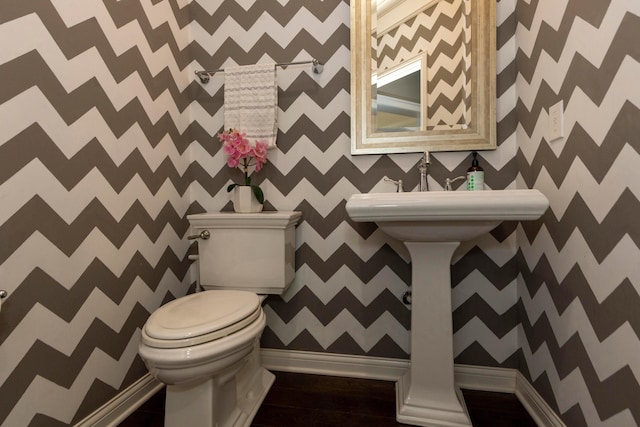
317 67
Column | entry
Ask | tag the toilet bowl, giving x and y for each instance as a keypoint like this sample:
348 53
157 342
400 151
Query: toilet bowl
205 346
197 345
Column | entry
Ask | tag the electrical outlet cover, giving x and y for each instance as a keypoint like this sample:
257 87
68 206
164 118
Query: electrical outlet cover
556 122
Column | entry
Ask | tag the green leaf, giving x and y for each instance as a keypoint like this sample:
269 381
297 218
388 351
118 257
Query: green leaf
231 187
257 191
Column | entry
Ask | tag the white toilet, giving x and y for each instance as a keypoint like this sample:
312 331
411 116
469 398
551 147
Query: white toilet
205 346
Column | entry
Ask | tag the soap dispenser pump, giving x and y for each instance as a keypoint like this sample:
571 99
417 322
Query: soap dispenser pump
475 175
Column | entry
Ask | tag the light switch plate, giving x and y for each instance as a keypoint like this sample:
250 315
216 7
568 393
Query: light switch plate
556 121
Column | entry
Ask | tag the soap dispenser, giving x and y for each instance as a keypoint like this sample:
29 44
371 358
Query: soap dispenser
475 175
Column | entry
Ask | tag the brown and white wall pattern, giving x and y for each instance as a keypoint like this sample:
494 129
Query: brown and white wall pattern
93 196
580 304
107 141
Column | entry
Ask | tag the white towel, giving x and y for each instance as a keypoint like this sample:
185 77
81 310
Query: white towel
251 101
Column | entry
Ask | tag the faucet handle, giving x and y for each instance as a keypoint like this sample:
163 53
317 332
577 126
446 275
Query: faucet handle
397 183
449 181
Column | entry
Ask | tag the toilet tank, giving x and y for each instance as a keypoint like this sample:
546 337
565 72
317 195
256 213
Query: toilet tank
246 251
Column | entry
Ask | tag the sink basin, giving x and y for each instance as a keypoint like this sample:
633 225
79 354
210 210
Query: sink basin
441 216
431 225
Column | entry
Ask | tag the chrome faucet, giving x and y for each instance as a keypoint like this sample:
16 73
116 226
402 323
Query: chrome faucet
423 166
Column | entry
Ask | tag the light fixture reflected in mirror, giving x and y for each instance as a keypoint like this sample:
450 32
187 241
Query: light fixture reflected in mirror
397 97
419 82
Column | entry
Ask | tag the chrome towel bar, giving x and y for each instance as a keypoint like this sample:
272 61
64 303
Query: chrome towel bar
316 67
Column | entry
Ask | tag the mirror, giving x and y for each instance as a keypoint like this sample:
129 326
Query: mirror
422 76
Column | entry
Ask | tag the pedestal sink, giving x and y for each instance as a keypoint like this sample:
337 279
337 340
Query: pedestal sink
432 225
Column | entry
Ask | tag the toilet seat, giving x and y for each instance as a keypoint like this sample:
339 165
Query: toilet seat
200 318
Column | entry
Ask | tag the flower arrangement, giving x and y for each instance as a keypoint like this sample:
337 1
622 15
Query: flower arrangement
241 154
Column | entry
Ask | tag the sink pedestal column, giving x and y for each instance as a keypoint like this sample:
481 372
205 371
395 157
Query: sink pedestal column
427 395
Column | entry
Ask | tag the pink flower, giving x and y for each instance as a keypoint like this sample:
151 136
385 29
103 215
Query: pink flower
233 162
260 154
243 147
240 153
230 150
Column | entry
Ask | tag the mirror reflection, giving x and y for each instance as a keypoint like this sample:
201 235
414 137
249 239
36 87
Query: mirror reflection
423 75
398 102
407 40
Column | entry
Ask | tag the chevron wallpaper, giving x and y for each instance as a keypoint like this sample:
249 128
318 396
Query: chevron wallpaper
107 142
94 184
580 303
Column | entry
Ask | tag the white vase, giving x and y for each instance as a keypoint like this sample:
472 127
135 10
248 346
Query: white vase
244 201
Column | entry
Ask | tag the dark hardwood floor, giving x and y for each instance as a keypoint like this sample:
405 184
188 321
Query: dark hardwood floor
322 401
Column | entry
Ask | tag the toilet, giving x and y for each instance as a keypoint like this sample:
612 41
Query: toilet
206 346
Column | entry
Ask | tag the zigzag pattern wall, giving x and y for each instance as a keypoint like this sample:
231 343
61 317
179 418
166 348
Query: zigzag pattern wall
108 141
580 308
94 191
346 297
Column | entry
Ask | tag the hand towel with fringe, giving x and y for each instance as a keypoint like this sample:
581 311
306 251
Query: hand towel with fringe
251 101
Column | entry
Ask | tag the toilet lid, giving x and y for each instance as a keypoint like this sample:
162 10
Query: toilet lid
201 317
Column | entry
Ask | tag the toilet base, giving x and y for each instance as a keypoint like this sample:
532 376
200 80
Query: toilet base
251 399
218 401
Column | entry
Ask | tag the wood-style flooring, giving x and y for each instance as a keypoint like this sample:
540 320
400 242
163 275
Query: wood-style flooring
302 400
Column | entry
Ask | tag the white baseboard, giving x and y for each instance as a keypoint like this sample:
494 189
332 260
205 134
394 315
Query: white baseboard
339 365
485 378
469 377
122 405
537 407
